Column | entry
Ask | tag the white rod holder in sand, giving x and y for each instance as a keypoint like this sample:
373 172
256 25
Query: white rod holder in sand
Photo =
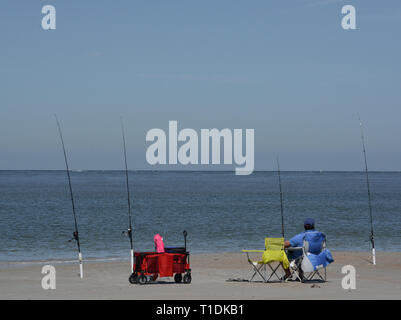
374 256
132 260
81 267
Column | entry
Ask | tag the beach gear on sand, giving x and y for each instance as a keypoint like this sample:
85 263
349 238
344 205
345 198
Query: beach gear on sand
75 233
273 257
149 266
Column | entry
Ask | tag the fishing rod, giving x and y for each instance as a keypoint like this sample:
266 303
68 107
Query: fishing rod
372 235
75 234
129 199
281 197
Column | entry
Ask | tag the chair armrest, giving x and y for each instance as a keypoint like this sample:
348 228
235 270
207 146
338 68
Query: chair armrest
254 251
294 248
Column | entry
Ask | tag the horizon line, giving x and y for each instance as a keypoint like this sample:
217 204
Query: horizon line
204 170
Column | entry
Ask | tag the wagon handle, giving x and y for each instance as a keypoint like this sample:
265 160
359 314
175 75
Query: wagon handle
185 233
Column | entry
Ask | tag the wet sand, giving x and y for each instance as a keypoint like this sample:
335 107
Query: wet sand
210 272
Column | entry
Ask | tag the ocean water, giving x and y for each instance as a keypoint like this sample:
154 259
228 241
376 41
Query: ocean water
220 211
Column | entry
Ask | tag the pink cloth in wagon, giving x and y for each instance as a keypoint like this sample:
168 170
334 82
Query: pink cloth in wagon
159 245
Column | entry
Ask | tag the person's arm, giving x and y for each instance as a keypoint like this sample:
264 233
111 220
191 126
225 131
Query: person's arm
295 241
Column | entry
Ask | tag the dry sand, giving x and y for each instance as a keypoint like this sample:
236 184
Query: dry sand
109 280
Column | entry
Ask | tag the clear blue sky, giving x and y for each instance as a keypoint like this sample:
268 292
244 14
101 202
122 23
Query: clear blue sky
285 68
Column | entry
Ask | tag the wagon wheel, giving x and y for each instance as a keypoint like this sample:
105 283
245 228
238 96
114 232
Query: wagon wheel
178 277
187 278
133 278
142 279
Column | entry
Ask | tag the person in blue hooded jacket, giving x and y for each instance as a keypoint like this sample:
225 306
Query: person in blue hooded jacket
298 241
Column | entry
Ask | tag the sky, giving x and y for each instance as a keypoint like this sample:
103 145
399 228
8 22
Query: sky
286 69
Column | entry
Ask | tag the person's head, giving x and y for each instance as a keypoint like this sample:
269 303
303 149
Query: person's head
309 224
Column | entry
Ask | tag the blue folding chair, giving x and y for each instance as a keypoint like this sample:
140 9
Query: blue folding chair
314 257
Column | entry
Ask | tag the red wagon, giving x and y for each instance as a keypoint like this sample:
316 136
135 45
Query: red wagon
149 266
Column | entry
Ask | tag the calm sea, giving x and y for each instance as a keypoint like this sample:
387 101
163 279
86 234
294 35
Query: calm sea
220 211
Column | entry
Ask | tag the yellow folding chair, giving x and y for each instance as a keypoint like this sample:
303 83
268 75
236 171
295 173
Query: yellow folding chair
274 252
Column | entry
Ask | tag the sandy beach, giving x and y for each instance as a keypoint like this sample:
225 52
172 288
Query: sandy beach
210 272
